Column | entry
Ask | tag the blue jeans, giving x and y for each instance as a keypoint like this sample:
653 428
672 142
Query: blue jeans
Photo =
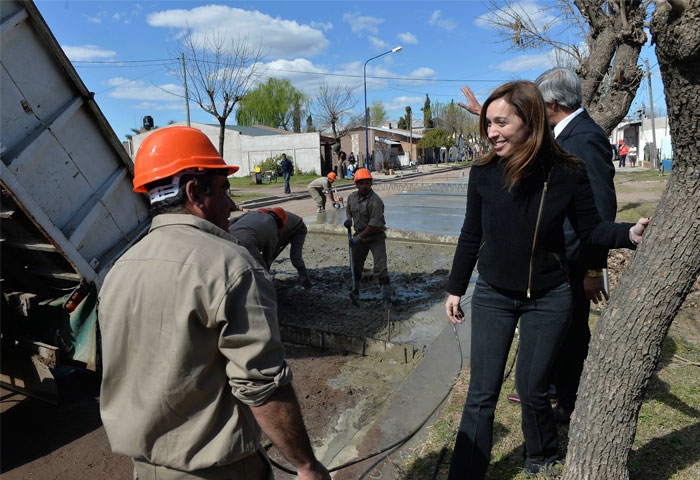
286 176
544 321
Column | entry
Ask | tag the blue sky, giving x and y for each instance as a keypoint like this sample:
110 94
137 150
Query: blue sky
125 51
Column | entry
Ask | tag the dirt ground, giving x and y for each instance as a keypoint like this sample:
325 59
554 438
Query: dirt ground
338 392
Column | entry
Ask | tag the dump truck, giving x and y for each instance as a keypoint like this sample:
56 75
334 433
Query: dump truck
67 209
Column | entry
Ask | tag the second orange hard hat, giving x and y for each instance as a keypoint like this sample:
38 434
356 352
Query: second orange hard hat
278 213
362 174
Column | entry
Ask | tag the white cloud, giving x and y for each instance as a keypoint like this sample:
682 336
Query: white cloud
125 89
323 26
436 20
399 104
302 73
422 73
87 52
358 24
524 63
378 44
408 38
278 37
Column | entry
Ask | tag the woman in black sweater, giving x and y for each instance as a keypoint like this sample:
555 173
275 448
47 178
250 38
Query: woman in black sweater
519 194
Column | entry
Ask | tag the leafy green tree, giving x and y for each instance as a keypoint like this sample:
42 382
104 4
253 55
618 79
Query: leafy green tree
272 104
377 114
427 114
435 139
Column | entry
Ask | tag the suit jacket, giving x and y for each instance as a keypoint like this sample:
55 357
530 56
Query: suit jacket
587 140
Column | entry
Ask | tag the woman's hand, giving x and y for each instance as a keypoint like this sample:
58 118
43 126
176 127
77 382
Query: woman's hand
472 105
454 309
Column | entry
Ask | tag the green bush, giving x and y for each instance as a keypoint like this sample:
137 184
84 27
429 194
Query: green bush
273 163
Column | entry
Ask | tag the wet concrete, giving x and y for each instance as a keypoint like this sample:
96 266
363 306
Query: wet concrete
427 209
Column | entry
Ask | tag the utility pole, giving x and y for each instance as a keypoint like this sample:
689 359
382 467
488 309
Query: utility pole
187 94
652 149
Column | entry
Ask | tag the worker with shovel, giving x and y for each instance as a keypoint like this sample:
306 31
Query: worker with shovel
366 211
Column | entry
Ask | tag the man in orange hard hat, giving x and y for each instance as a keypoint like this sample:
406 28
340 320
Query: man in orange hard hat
319 188
267 232
366 211
194 369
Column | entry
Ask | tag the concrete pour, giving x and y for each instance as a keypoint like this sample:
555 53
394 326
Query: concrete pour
424 208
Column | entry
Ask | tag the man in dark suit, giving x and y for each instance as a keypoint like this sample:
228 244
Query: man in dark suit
577 133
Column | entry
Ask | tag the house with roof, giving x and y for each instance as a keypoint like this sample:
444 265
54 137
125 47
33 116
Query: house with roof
388 146
249 147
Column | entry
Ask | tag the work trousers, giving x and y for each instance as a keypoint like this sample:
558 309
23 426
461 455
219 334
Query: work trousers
566 374
318 196
286 176
544 321
253 467
377 245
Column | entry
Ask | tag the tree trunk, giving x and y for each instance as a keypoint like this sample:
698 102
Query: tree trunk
222 135
626 344
609 74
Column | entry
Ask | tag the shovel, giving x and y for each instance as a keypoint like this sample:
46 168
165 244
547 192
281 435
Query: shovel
354 299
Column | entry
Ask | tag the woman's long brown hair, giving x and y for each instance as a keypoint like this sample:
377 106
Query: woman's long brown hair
527 103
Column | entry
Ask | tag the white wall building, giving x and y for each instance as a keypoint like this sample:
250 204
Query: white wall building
248 147
638 132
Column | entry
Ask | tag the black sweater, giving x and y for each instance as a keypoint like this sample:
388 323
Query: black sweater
519 248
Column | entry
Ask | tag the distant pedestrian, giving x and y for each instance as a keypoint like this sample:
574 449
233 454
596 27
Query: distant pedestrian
342 163
647 152
320 188
632 156
622 150
287 172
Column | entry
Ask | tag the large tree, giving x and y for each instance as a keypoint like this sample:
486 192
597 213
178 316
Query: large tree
274 103
333 105
626 345
612 35
433 140
218 72
455 120
377 114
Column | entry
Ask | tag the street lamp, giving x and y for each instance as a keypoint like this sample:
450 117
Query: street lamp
364 74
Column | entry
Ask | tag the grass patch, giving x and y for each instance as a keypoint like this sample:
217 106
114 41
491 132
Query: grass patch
244 189
666 444
622 176
633 211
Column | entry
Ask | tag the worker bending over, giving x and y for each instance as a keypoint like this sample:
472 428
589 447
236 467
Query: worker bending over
267 232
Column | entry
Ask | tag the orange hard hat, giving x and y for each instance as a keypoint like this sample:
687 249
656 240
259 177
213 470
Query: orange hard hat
278 214
171 150
362 174
332 176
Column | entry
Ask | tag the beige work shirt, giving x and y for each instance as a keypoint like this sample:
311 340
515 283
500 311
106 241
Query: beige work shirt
190 341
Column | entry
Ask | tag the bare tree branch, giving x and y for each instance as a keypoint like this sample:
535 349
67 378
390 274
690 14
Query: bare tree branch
220 71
